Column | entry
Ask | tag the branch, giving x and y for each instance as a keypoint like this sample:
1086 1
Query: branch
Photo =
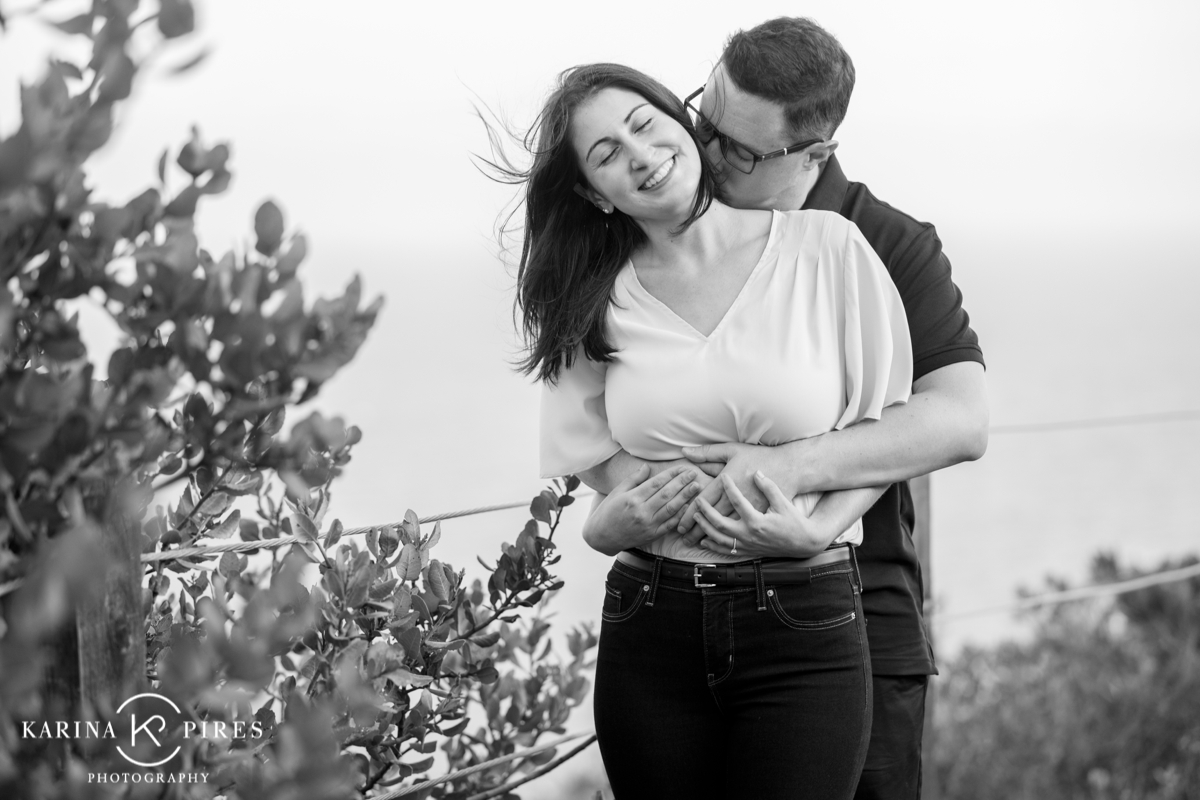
537 773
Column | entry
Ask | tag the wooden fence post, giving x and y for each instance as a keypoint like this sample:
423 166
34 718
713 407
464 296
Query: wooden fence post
100 660
921 538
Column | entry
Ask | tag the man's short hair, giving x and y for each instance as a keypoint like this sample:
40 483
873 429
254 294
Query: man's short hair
795 62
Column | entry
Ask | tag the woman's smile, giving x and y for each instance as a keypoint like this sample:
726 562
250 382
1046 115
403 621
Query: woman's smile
659 175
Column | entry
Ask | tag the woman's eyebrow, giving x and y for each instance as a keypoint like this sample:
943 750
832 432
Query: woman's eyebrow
604 139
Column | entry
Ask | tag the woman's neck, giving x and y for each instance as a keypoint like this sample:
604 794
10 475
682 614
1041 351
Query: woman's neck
704 241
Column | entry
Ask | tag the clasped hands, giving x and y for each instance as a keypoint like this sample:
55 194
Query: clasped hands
720 496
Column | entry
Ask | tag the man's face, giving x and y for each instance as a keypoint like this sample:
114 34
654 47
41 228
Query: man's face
760 125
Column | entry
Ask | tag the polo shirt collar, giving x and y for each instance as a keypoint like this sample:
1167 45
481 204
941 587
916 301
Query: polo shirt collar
829 192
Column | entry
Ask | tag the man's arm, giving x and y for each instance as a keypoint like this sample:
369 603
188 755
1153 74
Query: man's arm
945 422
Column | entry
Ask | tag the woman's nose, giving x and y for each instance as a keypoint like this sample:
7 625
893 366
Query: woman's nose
641 155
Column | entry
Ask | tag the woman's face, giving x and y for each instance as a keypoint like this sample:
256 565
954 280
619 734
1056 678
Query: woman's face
635 157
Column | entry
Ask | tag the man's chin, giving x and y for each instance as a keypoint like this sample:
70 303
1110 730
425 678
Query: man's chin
731 196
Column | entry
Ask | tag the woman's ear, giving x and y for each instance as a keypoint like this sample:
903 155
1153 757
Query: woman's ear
593 197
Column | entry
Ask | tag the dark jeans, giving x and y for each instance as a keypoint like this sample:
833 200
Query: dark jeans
733 692
893 767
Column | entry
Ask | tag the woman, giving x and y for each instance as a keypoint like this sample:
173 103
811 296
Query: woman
659 318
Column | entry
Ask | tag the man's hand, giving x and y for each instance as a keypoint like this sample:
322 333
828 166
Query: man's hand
738 462
784 530
642 508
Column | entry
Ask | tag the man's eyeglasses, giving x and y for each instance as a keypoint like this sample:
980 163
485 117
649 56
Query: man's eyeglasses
736 154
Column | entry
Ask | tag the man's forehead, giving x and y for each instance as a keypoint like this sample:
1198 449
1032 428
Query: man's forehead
752 120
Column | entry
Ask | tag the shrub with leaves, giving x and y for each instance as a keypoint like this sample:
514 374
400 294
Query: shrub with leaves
1103 702
360 662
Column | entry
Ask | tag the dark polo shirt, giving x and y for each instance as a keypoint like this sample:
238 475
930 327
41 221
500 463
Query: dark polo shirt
941 335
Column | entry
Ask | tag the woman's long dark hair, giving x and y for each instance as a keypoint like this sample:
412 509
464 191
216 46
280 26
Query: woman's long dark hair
571 251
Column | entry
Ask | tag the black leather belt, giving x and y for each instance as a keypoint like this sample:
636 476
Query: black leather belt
741 573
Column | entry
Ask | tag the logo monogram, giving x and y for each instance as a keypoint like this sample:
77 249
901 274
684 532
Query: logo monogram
145 728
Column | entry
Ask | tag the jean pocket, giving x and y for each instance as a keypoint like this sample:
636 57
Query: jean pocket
816 606
623 596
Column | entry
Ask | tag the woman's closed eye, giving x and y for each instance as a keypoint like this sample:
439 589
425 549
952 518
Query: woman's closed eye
638 128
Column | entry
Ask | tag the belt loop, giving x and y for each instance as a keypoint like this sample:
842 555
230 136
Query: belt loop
654 576
758 583
857 574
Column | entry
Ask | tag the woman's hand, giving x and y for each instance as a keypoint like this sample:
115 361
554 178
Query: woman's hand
783 530
641 508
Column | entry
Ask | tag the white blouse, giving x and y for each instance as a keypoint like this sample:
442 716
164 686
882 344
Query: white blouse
815 340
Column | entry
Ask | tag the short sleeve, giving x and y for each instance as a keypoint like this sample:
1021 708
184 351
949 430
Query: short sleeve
574 426
877 348
939 325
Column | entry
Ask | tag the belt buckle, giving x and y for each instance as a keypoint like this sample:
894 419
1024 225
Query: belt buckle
696 576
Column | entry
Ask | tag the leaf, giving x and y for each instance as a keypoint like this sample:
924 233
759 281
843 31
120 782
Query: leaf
176 18
434 537
303 526
241 481
435 579
274 422
335 533
268 227
289 261
532 600
421 766
217 182
410 640
539 509
215 504
572 483
456 728
184 203
402 600
162 166
405 679
193 155
358 585
373 542
192 62
249 531
117 72
95 129
229 564
228 526
75 26
410 528
409 565
389 540
486 639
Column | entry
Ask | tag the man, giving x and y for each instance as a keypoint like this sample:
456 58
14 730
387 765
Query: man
769 112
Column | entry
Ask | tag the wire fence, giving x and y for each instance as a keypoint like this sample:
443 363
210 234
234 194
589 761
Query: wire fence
1079 593
201 551
1098 422
284 541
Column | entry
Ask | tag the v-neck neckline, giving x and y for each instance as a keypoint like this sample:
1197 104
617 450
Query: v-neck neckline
737 300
